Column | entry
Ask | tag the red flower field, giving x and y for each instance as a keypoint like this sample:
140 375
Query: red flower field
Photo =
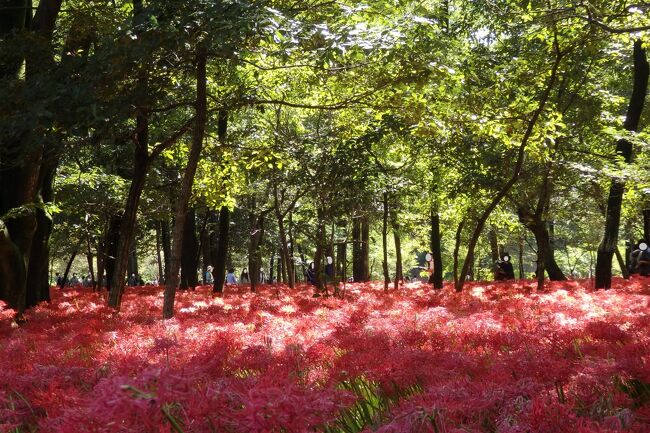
495 358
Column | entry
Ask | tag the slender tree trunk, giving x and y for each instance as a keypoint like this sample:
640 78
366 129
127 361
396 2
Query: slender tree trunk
384 240
158 254
458 238
357 265
436 251
222 250
188 180
167 248
132 264
67 269
272 266
256 237
286 255
365 248
112 238
320 248
521 153
609 242
101 260
622 264
89 259
646 225
494 244
399 272
521 258
127 226
189 254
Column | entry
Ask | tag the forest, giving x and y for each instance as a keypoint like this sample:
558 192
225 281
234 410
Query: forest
324 216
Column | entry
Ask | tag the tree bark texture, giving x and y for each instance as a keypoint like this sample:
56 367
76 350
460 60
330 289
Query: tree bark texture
189 252
436 251
222 250
198 134
609 242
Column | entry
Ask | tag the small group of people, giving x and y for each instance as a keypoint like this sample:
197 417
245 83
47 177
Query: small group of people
640 259
231 278
86 281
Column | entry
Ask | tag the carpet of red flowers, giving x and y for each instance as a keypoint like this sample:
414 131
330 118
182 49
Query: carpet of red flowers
495 358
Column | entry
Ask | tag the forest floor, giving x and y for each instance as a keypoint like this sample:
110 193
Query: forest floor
495 358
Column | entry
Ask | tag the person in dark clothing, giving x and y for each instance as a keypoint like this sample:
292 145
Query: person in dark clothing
504 269
59 280
640 259
310 275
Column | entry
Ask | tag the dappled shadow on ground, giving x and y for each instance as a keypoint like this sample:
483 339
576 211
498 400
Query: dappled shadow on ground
494 358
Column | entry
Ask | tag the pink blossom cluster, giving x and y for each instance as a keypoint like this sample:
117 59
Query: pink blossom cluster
494 358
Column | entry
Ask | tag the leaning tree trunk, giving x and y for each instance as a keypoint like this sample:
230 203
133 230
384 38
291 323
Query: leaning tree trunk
505 189
64 279
188 180
222 250
127 227
624 149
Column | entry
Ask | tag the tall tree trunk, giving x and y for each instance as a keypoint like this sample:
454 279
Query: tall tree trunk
188 180
89 259
521 257
357 265
436 251
132 264
458 238
127 227
205 247
112 238
384 240
623 148
320 248
399 272
284 248
256 236
189 252
38 281
505 189
646 225
494 244
167 248
158 254
100 254
222 250
365 248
